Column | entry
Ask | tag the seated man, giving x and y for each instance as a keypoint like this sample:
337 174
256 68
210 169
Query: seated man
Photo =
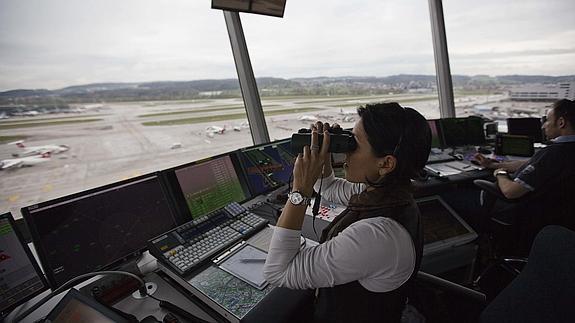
548 178
548 163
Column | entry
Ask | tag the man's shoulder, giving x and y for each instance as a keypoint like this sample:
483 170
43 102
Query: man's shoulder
556 149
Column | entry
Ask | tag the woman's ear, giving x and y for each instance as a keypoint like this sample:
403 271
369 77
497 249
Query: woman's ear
386 164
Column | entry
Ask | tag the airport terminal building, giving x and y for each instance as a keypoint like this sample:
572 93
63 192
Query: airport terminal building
544 92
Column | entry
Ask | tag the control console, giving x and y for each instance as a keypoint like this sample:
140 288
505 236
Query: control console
187 246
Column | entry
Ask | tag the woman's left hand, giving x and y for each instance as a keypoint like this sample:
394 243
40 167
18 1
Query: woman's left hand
308 165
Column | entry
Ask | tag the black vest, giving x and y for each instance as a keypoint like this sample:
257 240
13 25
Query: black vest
351 302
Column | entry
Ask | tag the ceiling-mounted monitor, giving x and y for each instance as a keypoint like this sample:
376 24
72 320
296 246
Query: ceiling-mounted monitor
263 7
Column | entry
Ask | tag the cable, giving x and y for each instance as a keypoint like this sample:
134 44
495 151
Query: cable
77 279
178 310
316 205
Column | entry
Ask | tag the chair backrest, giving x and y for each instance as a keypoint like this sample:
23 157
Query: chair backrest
544 291
553 204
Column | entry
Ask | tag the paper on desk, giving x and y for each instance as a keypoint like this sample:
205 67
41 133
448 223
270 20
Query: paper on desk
442 169
461 166
250 272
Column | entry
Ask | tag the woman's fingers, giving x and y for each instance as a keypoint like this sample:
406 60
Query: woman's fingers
325 144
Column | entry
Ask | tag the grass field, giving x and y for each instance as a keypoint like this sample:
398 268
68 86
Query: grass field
225 117
41 124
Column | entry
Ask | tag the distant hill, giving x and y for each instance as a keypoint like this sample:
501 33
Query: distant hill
268 86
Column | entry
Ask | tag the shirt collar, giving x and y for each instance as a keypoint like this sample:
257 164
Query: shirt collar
560 139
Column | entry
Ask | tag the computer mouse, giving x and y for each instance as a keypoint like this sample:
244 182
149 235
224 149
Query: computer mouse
484 151
458 156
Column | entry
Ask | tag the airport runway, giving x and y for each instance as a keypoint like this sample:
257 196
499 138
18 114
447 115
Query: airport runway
119 146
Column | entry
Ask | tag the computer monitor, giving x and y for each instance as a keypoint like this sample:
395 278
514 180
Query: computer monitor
99 228
20 277
525 127
436 134
205 186
442 227
263 7
267 166
462 131
514 145
76 307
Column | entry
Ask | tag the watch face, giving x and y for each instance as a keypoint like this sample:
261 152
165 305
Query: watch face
296 198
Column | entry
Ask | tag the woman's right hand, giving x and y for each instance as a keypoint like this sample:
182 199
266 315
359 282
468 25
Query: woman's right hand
321 127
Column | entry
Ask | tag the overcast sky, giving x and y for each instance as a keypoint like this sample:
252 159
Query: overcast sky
57 43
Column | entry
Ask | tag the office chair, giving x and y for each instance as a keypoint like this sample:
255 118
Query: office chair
542 292
526 216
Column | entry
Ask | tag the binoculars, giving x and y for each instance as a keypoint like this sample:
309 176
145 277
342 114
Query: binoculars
341 141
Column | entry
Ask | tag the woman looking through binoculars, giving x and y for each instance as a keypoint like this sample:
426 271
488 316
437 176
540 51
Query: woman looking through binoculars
372 249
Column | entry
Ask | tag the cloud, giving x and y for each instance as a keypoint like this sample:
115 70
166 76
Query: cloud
56 43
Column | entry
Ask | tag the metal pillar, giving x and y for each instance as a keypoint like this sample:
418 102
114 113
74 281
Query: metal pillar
247 80
443 72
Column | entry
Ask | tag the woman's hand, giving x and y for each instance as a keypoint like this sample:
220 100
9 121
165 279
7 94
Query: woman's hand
308 165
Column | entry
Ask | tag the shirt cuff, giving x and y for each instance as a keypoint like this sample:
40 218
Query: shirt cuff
327 179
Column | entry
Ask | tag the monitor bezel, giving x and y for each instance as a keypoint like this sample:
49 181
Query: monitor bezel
42 253
30 255
178 195
243 168
249 10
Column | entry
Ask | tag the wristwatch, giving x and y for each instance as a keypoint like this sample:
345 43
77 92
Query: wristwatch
501 172
296 198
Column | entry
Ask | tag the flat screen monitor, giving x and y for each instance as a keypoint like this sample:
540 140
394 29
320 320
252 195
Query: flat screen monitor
442 227
512 145
462 131
436 135
262 7
96 229
20 277
525 127
268 166
208 185
76 307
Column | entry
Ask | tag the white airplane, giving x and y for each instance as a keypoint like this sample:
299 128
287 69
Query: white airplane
24 161
211 130
38 150
243 125
307 118
347 113
348 119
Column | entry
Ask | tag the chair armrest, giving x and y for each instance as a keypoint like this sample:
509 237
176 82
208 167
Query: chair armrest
452 288
490 187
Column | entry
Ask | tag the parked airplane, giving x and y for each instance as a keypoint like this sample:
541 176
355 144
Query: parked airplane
211 130
38 150
307 118
24 161
243 125
347 113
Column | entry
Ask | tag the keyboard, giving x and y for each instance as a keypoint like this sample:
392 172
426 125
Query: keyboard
191 244
439 158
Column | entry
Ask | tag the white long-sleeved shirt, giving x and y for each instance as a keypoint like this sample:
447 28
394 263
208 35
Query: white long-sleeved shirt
377 252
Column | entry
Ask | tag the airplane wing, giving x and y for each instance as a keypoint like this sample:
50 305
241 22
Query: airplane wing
9 163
